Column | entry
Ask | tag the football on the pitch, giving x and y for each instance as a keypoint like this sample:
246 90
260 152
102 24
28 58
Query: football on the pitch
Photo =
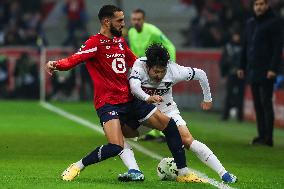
167 169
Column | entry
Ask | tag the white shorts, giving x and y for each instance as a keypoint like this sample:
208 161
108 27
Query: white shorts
173 113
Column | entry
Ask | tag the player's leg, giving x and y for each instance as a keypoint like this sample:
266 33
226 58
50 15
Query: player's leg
151 117
127 156
112 129
205 155
201 150
162 122
113 133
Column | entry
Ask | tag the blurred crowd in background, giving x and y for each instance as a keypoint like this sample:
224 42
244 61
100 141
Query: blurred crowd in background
21 23
216 20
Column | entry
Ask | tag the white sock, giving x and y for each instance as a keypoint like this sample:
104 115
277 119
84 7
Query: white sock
127 156
183 171
207 157
80 164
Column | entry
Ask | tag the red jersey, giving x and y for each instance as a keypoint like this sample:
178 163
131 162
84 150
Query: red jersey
107 61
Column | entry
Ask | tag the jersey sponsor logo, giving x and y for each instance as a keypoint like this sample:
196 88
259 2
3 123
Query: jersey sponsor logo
153 91
116 55
105 40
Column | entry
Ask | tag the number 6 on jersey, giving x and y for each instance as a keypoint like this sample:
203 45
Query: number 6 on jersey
118 65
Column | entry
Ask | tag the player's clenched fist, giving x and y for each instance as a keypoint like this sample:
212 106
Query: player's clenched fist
50 67
206 105
155 99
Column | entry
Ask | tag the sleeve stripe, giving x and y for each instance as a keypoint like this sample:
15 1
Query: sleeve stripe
193 74
133 77
87 51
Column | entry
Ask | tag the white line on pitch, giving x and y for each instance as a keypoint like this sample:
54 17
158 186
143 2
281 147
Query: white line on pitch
138 147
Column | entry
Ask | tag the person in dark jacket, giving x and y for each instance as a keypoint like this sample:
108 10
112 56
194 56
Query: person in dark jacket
229 65
261 58
3 76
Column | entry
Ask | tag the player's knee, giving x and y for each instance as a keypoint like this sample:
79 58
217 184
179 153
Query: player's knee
129 133
159 121
171 127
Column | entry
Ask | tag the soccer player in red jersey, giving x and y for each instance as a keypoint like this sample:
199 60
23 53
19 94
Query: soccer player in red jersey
108 59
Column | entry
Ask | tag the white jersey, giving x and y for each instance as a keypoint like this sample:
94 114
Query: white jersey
142 86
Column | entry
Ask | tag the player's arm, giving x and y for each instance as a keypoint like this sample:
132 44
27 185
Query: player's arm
277 46
187 74
86 52
136 89
201 76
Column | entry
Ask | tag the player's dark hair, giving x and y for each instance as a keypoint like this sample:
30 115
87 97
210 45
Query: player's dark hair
107 11
157 55
253 1
139 11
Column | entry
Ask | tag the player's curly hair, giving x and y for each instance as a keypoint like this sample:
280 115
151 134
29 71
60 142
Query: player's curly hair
157 55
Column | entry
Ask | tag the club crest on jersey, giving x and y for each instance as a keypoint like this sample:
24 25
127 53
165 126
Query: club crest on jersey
107 47
120 46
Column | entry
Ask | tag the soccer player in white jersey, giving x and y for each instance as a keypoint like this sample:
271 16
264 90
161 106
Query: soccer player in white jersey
151 80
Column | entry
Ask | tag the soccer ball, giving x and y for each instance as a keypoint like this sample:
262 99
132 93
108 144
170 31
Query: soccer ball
167 169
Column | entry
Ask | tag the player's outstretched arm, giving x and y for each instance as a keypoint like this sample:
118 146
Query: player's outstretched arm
85 53
201 76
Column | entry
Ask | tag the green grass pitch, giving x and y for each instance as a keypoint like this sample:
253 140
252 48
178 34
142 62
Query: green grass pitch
36 145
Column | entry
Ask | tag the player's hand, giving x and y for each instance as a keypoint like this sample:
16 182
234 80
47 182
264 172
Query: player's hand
206 105
50 67
270 74
241 74
155 99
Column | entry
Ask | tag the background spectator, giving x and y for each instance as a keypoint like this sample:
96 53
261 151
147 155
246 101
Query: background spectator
76 19
3 76
261 59
21 23
63 85
26 78
229 65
